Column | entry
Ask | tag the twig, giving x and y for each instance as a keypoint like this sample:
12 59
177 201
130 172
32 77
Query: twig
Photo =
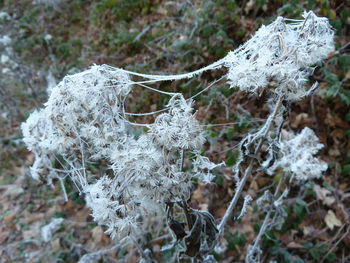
267 217
336 244
248 172
235 198
63 189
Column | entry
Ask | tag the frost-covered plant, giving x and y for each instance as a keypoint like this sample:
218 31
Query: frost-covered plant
82 114
297 156
143 184
178 129
281 56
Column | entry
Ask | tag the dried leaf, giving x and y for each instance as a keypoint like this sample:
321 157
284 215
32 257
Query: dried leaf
193 239
332 220
294 245
97 234
323 195
210 228
3 236
178 229
56 245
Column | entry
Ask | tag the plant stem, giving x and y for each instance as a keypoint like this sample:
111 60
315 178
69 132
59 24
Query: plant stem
267 217
63 189
248 171
235 198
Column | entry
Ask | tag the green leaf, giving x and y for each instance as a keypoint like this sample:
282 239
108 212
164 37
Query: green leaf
331 257
345 170
300 208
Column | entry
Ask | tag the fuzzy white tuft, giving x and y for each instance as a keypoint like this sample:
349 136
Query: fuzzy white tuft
297 156
281 55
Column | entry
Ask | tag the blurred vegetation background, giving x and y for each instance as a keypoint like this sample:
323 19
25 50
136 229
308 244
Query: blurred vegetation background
52 38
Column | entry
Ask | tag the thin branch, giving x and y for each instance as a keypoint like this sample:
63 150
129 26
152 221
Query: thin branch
248 171
63 189
265 223
336 244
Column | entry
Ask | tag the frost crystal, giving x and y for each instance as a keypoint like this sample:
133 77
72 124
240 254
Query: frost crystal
5 40
203 167
247 200
297 156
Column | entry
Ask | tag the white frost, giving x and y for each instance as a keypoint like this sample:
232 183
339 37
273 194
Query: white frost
281 55
5 40
297 156
49 230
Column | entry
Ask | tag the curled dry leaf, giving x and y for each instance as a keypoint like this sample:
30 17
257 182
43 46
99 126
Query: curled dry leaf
178 229
193 239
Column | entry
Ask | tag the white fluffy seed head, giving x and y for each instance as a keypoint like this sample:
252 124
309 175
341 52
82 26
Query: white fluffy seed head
280 56
83 119
178 129
297 156
86 106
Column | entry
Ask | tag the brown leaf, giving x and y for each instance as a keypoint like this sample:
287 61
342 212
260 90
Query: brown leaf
3 236
33 217
56 245
178 229
192 240
97 234
10 217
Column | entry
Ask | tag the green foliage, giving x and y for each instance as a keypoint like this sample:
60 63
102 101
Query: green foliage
346 170
300 209
236 241
123 10
232 157
283 255
336 82
318 251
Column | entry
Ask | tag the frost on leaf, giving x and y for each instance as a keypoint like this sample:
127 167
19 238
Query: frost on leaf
203 167
297 156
